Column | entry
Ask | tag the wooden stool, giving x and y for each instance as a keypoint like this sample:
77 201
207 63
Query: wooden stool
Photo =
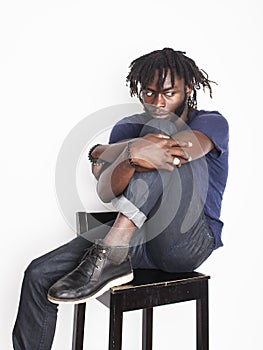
149 288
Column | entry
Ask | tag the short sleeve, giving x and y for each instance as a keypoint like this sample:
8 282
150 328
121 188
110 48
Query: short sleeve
128 128
122 132
214 126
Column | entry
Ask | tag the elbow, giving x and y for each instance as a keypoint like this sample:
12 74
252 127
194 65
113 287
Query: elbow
104 189
105 198
104 195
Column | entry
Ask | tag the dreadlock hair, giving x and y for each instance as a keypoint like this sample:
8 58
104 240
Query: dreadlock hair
142 71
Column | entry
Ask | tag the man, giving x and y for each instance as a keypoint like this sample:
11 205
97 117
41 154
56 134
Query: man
165 171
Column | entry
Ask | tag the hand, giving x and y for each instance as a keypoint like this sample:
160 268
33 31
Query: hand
96 170
158 151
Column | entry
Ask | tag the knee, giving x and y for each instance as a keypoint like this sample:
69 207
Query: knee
35 286
33 269
142 185
35 274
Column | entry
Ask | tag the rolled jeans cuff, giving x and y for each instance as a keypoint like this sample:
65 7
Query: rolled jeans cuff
128 209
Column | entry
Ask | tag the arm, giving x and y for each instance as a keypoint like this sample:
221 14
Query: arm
107 153
114 179
201 144
153 151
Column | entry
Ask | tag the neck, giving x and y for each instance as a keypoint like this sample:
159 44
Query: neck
184 115
180 122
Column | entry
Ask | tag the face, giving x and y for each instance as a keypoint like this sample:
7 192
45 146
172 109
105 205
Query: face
167 101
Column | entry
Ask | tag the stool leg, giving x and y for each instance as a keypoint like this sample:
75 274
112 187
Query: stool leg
78 326
147 327
116 316
202 321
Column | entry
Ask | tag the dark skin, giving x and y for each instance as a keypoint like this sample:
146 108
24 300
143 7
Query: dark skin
153 151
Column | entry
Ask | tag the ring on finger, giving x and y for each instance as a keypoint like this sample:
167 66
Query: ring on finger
176 161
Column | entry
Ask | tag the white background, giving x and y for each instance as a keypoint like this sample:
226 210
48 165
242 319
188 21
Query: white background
61 61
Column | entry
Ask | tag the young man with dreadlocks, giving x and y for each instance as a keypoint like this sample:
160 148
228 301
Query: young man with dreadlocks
165 172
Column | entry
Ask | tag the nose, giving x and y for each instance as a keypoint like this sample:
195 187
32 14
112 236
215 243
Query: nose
159 100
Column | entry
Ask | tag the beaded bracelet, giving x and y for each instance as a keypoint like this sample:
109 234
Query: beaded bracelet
131 162
95 161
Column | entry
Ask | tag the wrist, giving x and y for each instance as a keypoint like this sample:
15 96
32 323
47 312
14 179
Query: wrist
93 159
129 156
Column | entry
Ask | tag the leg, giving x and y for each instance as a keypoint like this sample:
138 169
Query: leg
186 241
78 326
116 317
36 315
141 195
176 237
138 203
202 325
147 324
121 231
145 189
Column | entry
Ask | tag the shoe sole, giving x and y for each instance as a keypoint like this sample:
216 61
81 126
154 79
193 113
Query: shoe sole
114 283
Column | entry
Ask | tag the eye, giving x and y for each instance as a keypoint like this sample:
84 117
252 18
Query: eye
170 93
148 93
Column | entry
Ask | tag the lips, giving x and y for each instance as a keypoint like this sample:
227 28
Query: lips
156 112
160 113
160 116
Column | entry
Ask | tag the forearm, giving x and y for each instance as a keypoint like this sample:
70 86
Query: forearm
113 180
109 152
200 144
104 154
154 151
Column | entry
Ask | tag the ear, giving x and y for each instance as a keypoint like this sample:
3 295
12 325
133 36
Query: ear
188 90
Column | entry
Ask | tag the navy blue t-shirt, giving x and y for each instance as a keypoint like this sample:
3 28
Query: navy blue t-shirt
213 125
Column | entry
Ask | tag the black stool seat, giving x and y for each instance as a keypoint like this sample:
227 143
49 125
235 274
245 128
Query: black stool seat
149 288
154 287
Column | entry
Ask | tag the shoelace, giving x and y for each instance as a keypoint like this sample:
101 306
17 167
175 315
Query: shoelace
92 253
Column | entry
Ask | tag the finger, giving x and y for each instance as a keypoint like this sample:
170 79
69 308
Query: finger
179 152
179 143
174 161
163 136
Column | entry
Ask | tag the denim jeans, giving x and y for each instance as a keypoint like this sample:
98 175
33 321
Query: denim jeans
167 208
172 235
